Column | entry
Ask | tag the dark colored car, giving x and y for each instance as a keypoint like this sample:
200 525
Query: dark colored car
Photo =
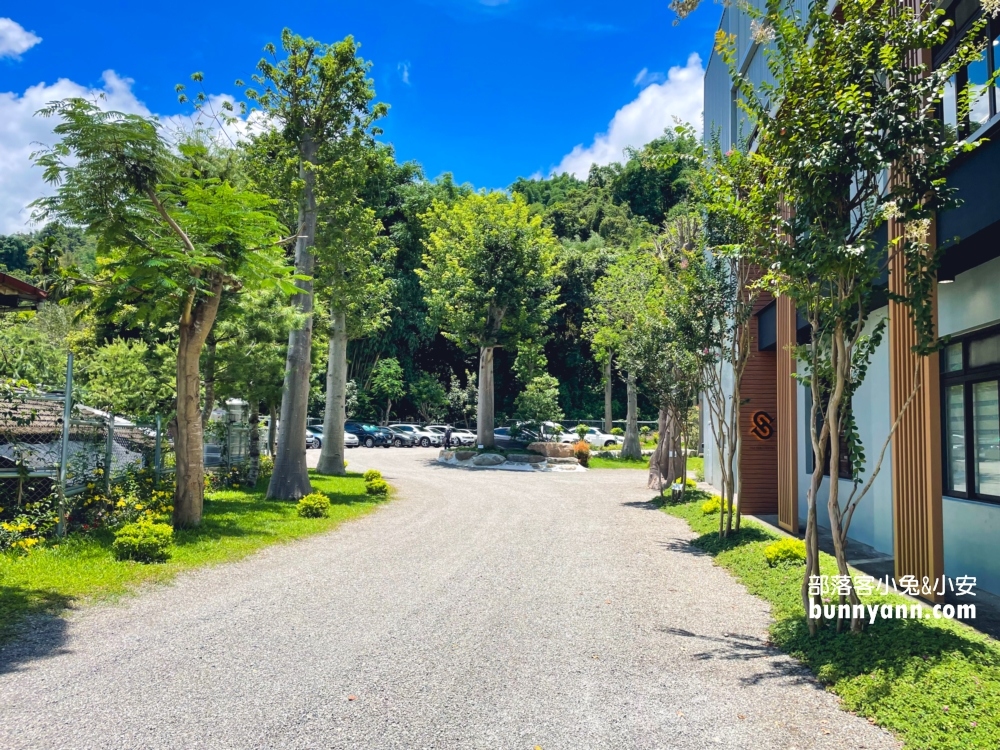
400 440
368 434
503 439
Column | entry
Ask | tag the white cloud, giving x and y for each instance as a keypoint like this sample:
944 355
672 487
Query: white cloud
403 69
679 97
21 133
640 76
14 39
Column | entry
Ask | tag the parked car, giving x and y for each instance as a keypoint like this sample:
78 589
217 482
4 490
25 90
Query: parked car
368 435
316 435
594 436
502 438
458 436
351 440
399 438
423 438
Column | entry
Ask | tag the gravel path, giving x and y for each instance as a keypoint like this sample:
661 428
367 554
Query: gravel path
478 610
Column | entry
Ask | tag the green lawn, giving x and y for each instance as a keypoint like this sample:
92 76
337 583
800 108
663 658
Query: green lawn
597 462
236 523
936 683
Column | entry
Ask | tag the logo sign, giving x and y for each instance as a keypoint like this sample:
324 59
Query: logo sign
763 425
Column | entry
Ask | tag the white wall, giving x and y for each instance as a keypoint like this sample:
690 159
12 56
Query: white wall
971 527
872 521
713 475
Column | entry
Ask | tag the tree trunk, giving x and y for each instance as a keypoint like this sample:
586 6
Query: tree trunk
608 417
659 462
189 447
253 472
290 480
331 457
206 414
484 403
272 429
631 447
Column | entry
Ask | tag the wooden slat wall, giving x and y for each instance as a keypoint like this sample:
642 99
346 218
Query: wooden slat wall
759 458
787 418
918 537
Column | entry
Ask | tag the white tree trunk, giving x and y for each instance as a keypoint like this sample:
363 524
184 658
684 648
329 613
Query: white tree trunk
484 405
631 447
608 417
331 457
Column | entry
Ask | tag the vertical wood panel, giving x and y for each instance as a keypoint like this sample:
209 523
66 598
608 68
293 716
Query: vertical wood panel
759 458
788 453
918 538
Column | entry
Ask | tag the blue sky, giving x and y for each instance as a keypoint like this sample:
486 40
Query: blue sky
487 89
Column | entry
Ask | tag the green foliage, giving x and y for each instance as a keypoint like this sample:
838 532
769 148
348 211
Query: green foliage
372 474
785 552
314 505
387 382
143 541
711 506
617 431
539 401
933 682
377 488
489 270
429 396
121 377
581 430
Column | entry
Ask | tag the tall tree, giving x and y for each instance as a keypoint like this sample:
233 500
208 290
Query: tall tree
317 96
856 147
488 280
175 231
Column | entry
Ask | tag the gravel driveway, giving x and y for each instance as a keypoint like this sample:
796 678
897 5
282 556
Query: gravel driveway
478 610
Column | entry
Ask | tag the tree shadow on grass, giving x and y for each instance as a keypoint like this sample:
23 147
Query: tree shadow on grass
30 625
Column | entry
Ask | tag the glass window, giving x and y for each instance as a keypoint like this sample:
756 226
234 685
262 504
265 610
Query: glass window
955 437
979 100
986 418
984 352
950 103
952 359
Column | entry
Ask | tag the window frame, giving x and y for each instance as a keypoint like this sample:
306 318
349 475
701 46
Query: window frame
967 377
843 471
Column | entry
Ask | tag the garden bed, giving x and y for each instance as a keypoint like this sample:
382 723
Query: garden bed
55 576
935 683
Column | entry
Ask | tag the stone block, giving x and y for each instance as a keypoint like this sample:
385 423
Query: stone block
526 458
488 459
464 455
552 450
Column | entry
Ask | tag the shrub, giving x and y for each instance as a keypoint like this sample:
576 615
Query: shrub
581 449
580 430
617 431
786 551
372 474
377 487
645 431
315 505
143 541
712 505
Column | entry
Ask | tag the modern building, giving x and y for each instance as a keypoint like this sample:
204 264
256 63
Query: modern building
935 506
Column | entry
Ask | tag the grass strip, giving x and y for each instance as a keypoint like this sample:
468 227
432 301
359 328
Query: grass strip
81 568
935 683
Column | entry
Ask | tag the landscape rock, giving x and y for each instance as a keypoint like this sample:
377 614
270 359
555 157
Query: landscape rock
488 459
526 458
446 455
552 450
464 455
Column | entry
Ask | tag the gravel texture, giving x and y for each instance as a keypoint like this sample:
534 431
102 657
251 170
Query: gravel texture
477 610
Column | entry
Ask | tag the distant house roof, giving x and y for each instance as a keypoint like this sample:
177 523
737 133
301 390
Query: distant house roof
18 295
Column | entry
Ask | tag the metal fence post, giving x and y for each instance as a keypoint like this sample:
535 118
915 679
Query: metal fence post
158 451
64 448
109 452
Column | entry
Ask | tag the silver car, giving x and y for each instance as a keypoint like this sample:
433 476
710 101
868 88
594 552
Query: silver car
421 437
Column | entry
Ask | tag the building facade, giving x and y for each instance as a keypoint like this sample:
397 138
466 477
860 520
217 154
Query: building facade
935 506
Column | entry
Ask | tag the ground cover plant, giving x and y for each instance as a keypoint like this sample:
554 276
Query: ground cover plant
935 683
610 461
53 576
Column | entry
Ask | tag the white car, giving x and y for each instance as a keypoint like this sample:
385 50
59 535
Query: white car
458 435
351 441
594 436
421 437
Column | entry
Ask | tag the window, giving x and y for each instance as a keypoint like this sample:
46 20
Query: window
844 462
970 408
984 103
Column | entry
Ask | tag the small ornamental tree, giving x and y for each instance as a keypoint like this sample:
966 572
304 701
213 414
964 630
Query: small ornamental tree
429 396
175 231
488 277
854 144
631 289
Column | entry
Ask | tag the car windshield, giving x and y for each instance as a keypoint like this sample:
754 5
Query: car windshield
369 428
